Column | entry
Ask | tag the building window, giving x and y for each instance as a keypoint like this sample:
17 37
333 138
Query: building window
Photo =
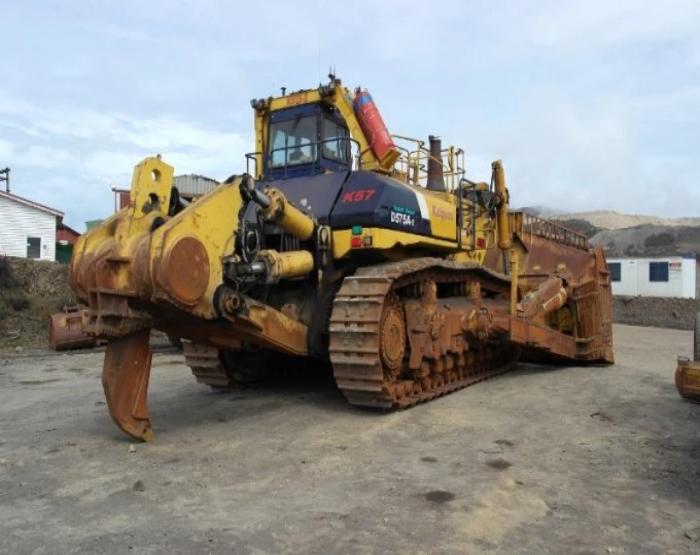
614 269
658 271
33 247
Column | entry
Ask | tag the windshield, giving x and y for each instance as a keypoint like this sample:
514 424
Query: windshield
293 142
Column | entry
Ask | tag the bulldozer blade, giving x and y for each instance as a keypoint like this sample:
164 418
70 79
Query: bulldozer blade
125 374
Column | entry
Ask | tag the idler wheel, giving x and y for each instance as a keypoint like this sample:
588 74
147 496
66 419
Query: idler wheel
392 336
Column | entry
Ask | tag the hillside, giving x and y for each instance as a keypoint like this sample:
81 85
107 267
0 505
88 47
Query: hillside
630 234
609 219
649 240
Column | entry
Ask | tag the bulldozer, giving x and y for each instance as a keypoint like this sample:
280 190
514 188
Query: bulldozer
370 252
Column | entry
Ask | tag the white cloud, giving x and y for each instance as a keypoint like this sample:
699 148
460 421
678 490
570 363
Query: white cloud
590 105
87 152
6 150
601 24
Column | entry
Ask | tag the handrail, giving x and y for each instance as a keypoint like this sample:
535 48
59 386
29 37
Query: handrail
254 157
413 163
555 232
355 160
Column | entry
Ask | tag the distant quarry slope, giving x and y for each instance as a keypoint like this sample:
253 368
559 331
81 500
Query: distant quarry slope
609 219
631 235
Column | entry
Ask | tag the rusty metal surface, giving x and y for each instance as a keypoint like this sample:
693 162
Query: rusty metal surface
688 370
537 300
586 312
688 379
67 329
553 231
436 179
125 375
264 326
392 336
438 361
461 336
186 270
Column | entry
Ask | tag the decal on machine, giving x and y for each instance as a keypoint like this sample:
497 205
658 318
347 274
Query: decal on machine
297 98
442 213
424 212
361 195
403 216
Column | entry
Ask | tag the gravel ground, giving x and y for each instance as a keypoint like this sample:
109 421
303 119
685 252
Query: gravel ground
565 460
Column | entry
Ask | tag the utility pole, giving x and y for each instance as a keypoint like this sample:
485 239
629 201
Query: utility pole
5 176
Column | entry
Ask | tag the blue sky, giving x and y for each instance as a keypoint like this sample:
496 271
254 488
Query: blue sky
591 105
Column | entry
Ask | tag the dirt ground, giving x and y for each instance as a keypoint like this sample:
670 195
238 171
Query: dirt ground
565 460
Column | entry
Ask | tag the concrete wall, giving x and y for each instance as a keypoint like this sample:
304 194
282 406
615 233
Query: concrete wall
18 222
634 278
689 278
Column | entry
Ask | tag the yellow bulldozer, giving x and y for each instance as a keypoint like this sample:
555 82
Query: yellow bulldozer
341 242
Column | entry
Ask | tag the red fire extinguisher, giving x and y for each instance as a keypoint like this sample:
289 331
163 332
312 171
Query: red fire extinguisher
373 125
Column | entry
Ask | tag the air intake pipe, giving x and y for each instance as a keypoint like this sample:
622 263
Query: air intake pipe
436 179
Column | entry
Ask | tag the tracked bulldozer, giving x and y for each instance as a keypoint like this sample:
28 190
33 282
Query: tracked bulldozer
346 244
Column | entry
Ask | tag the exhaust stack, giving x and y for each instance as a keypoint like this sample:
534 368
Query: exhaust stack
436 179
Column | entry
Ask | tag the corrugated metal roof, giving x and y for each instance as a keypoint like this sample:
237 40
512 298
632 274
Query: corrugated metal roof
194 185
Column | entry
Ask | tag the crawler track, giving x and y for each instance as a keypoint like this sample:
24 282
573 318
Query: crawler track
356 334
206 364
217 368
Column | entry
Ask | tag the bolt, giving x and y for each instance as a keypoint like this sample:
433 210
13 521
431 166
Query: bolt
231 302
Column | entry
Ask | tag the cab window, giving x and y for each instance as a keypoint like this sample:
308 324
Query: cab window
293 142
335 143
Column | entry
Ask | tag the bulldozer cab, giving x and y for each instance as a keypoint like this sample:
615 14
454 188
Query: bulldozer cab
306 140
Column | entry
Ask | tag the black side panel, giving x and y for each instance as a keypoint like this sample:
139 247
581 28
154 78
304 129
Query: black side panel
372 200
314 195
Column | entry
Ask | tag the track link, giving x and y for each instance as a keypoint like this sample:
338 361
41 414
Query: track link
355 336
206 364
217 368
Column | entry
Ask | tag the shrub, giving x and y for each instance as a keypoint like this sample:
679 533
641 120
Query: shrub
7 280
17 300
662 239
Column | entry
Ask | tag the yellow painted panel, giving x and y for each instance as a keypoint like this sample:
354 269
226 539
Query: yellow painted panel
212 220
443 214
385 239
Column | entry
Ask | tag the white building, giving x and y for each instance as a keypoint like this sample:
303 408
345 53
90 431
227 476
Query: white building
27 228
671 276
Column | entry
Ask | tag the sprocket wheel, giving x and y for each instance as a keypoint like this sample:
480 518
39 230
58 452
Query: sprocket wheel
392 337
246 367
